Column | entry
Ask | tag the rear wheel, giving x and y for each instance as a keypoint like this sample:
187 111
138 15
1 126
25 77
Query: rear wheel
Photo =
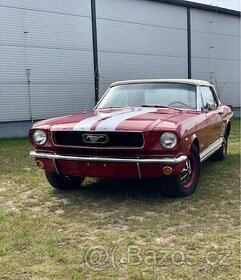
221 153
63 182
185 183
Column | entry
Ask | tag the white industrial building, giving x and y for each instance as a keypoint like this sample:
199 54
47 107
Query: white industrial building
57 57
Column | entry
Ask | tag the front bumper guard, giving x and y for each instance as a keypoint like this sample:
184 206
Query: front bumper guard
137 161
166 160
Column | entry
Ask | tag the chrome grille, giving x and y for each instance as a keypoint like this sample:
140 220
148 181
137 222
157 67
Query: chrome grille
98 139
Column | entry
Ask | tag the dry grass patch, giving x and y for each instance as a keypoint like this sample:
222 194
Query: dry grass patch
118 229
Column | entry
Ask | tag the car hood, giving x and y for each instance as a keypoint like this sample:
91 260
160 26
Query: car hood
132 119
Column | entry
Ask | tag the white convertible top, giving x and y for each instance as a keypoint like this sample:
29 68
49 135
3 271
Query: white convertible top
178 81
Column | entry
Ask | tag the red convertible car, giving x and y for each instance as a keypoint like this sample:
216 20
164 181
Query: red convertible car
139 129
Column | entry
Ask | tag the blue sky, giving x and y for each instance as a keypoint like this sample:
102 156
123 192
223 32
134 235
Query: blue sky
230 4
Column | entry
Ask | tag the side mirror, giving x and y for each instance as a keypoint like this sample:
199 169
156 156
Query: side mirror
204 110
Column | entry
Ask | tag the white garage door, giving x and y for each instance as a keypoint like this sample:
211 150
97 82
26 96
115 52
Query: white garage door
140 39
216 52
54 40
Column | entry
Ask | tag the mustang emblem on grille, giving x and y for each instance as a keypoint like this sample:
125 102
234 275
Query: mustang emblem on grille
95 138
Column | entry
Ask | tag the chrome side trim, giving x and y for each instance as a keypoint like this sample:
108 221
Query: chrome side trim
211 149
109 159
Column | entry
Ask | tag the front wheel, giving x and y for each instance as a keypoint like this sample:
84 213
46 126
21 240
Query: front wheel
63 182
185 183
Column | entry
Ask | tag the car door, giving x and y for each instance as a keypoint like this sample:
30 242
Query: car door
213 114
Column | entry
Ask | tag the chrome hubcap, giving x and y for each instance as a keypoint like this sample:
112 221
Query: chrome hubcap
186 172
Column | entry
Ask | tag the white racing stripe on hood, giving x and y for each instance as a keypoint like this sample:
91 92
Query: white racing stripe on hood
112 123
86 124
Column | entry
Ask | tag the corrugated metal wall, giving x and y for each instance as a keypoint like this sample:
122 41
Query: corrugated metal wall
136 39
54 40
140 39
216 52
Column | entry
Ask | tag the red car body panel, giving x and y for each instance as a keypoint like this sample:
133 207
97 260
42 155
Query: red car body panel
189 126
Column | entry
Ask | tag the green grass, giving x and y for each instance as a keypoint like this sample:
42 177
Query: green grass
118 229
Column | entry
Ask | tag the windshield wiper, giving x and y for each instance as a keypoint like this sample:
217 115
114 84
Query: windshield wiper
110 107
160 106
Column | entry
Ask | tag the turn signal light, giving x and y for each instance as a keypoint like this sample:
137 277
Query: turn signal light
40 164
167 170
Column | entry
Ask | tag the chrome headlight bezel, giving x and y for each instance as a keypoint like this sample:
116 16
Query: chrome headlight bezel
39 137
168 140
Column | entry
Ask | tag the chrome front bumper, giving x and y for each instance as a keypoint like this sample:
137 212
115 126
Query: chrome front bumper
166 160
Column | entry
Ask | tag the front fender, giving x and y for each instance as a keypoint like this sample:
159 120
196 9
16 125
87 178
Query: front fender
188 141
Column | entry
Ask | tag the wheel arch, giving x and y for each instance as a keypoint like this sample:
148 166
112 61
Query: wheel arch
194 141
228 129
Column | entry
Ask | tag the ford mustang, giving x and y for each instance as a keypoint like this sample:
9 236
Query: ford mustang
139 129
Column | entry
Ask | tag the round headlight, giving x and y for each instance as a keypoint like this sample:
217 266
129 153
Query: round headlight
39 137
168 140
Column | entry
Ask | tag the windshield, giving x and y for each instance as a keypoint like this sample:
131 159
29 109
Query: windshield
150 94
